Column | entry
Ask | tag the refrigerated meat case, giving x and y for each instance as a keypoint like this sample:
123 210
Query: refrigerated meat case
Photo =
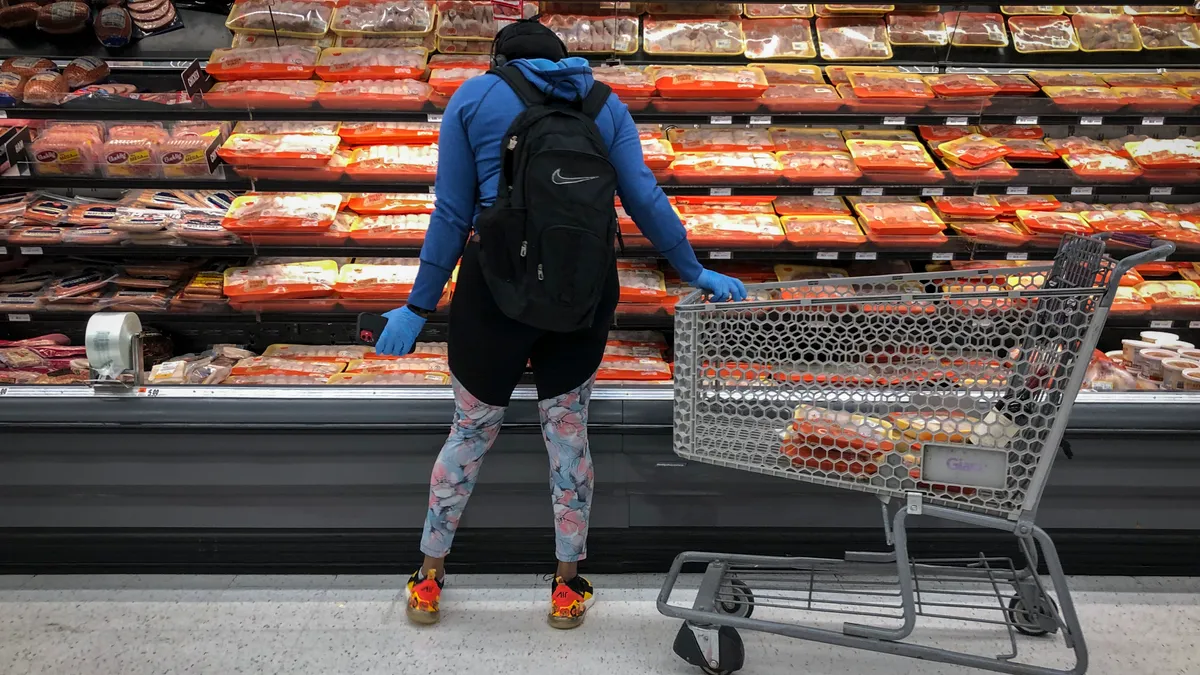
322 477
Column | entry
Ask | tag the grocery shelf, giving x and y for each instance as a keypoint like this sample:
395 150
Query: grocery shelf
201 33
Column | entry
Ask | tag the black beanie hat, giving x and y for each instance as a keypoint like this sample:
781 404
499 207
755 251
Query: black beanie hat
527 39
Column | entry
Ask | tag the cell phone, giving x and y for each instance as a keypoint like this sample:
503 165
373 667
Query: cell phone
370 327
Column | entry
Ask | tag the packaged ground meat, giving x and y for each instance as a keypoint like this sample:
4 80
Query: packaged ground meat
823 231
819 167
976 29
778 39
282 212
269 63
917 28
287 18
595 34
341 63
1168 32
399 95
693 37
853 39
1038 34
1106 33
383 17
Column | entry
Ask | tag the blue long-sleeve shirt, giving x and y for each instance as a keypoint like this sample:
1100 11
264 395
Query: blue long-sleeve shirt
469 145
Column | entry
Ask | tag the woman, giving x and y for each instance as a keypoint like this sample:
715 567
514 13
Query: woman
488 351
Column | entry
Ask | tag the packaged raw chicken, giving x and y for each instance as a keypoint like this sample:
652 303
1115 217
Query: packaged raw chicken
625 81
1026 131
382 17
778 39
1010 204
1132 221
329 353
823 231
917 28
872 155
976 29
819 167
756 229
285 18
1171 154
992 232
464 47
243 40
811 206
712 205
1102 166
839 9
1053 222
1136 10
267 365
896 219
974 150
790 73
962 84
975 207
641 285
1014 84
1155 99
1183 78
282 212
384 133
1038 34
401 162
271 63
1168 32
376 203
311 279
262 94
935 133
378 282
807 140
427 379
595 34
1027 150
756 10
1078 145
725 82
645 370
391 229
657 153
428 41
1085 99
289 150
879 106
889 85
853 38
466 20
703 167
717 139
446 80
701 8
399 95
341 63
802 98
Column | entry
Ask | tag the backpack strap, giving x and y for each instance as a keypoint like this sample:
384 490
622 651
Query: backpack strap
596 99
523 88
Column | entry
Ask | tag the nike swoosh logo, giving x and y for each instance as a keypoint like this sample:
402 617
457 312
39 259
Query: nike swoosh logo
558 179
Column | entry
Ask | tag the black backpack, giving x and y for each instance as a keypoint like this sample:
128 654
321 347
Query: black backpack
546 245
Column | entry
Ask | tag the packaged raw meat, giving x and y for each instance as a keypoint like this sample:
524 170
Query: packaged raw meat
917 28
399 95
367 203
644 370
63 18
1132 221
1168 32
881 106
853 38
1155 99
1102 166
595 34
1027 150
383 17
1053 222
77 284
641 285
704 167
1012 84
45 89
1038 34
289 150
448 80
1170 293
976 29
1035 10
872 155
378 282
282 212
269 63
1107 33
819 167
625 81
286 18
1085 99
1183 78
1156 80
811 206
802 98
976 207
466 20
401 162
340 63
992 232
896 219
1093 9
756 10
693 37
938 133
701 8
838 9
961 84
427 42
778 39
807 140
716 139
465 46
312 279
725 82
868 84
974 150
243 40
841 74
757 229
1078 145
1153 9
137 131
737 204
65 155
400 133
262 94
657 153
267 365
790 73
391 230
1172 154
823 231
1066 78
130 159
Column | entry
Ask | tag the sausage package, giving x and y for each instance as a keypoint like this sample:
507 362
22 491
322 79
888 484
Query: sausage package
262 94
399 95
270 63
823 231
282 212
400 162
853 39
344 63
693 37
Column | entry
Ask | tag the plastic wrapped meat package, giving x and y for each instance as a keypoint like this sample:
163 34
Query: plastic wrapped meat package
401 162
869 84
1078 145
872 155
1169 154
263 94
693 37
1085 99
377 203
383 18
282 128
802 98
285 18
917 28
447 79
1102 166
244 40
399 95
724 82
756 10
464 46
1168 32
300 280
811 206
936 133
737 204
717 139
595 34
341 63
1170 293
1106 33
124 158
627 370
466 20
973 150
1125 220
641 285
819 167
286 150
975 207
391 229
625 81
1053 222
879 106
269 63
67 150
750 229
790 73
839 9
704 167
962 84
282 212
1039 34
657 153
378 282
1027 150
992 232
823 231
1013 84
1155 99
778 39
385 133
808 140
700 8
272 365
898 219
853 38
976 29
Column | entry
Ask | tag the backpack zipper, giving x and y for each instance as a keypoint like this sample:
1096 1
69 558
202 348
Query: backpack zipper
540 277
512 142
524 247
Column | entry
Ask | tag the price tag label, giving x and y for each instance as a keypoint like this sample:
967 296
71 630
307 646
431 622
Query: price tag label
865 255
1161 191
1194 324
434 118
1162 324
1027 120
151 392
195 79
956 121
1091 121
895 121
3 391
872 192
760 119
1017 255
1153 121
3 250
31 250
432 189
942 256
720 255
3 115
1017 190
18 318
720 192
720 119
932 192
1080 191
824 192
827 255
210 154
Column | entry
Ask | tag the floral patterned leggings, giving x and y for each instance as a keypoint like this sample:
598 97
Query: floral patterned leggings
476 424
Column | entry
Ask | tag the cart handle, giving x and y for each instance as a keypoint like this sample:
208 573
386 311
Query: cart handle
1159 249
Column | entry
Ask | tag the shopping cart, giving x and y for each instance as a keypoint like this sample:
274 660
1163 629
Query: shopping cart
945 395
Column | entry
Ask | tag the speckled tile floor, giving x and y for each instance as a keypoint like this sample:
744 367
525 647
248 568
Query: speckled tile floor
330 625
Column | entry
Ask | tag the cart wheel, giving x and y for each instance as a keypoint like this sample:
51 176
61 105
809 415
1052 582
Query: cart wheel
1027 623
732 651
742 602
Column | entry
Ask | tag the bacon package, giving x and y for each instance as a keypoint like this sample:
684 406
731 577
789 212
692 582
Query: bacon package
269 63
262 94
342 63
595 34
400 162
399 95
693 37
282 212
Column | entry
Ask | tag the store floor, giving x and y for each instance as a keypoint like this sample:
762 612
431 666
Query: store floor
327 625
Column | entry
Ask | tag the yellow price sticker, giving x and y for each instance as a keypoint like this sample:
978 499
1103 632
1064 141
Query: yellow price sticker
68 156
139 157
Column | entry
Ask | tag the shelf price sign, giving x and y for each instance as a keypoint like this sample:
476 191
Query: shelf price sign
196 80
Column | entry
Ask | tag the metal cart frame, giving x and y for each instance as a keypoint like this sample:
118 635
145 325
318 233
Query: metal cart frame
944 394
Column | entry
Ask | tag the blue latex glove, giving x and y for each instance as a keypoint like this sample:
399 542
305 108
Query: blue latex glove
400 334
719 286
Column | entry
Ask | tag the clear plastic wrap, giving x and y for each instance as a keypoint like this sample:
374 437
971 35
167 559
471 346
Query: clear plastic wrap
1102 166
282 212
1168 32
1040 34
962 84
262 94
976 29
872 155
811 206
378 282
853 38
401 162
1124 220
700 8
779 39
286 18
819 167
1014 84
639 285
823 231
242 40
1035 10
880 106
289 150
382 17
399 95
992 232
340 63
807 140
977 206
693 37
1106 33
658 153
750 229
721 82
702 167
125 158
898 219
802 98
391 229
447 80
1028 150
917 28
268 63
280 128
385 133
595 34
1155 99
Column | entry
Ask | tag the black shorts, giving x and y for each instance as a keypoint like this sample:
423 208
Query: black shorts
489 351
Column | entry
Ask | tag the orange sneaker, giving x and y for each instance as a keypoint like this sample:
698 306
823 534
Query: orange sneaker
423 594
569 601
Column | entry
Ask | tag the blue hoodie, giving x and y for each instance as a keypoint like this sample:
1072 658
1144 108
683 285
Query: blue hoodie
469 144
